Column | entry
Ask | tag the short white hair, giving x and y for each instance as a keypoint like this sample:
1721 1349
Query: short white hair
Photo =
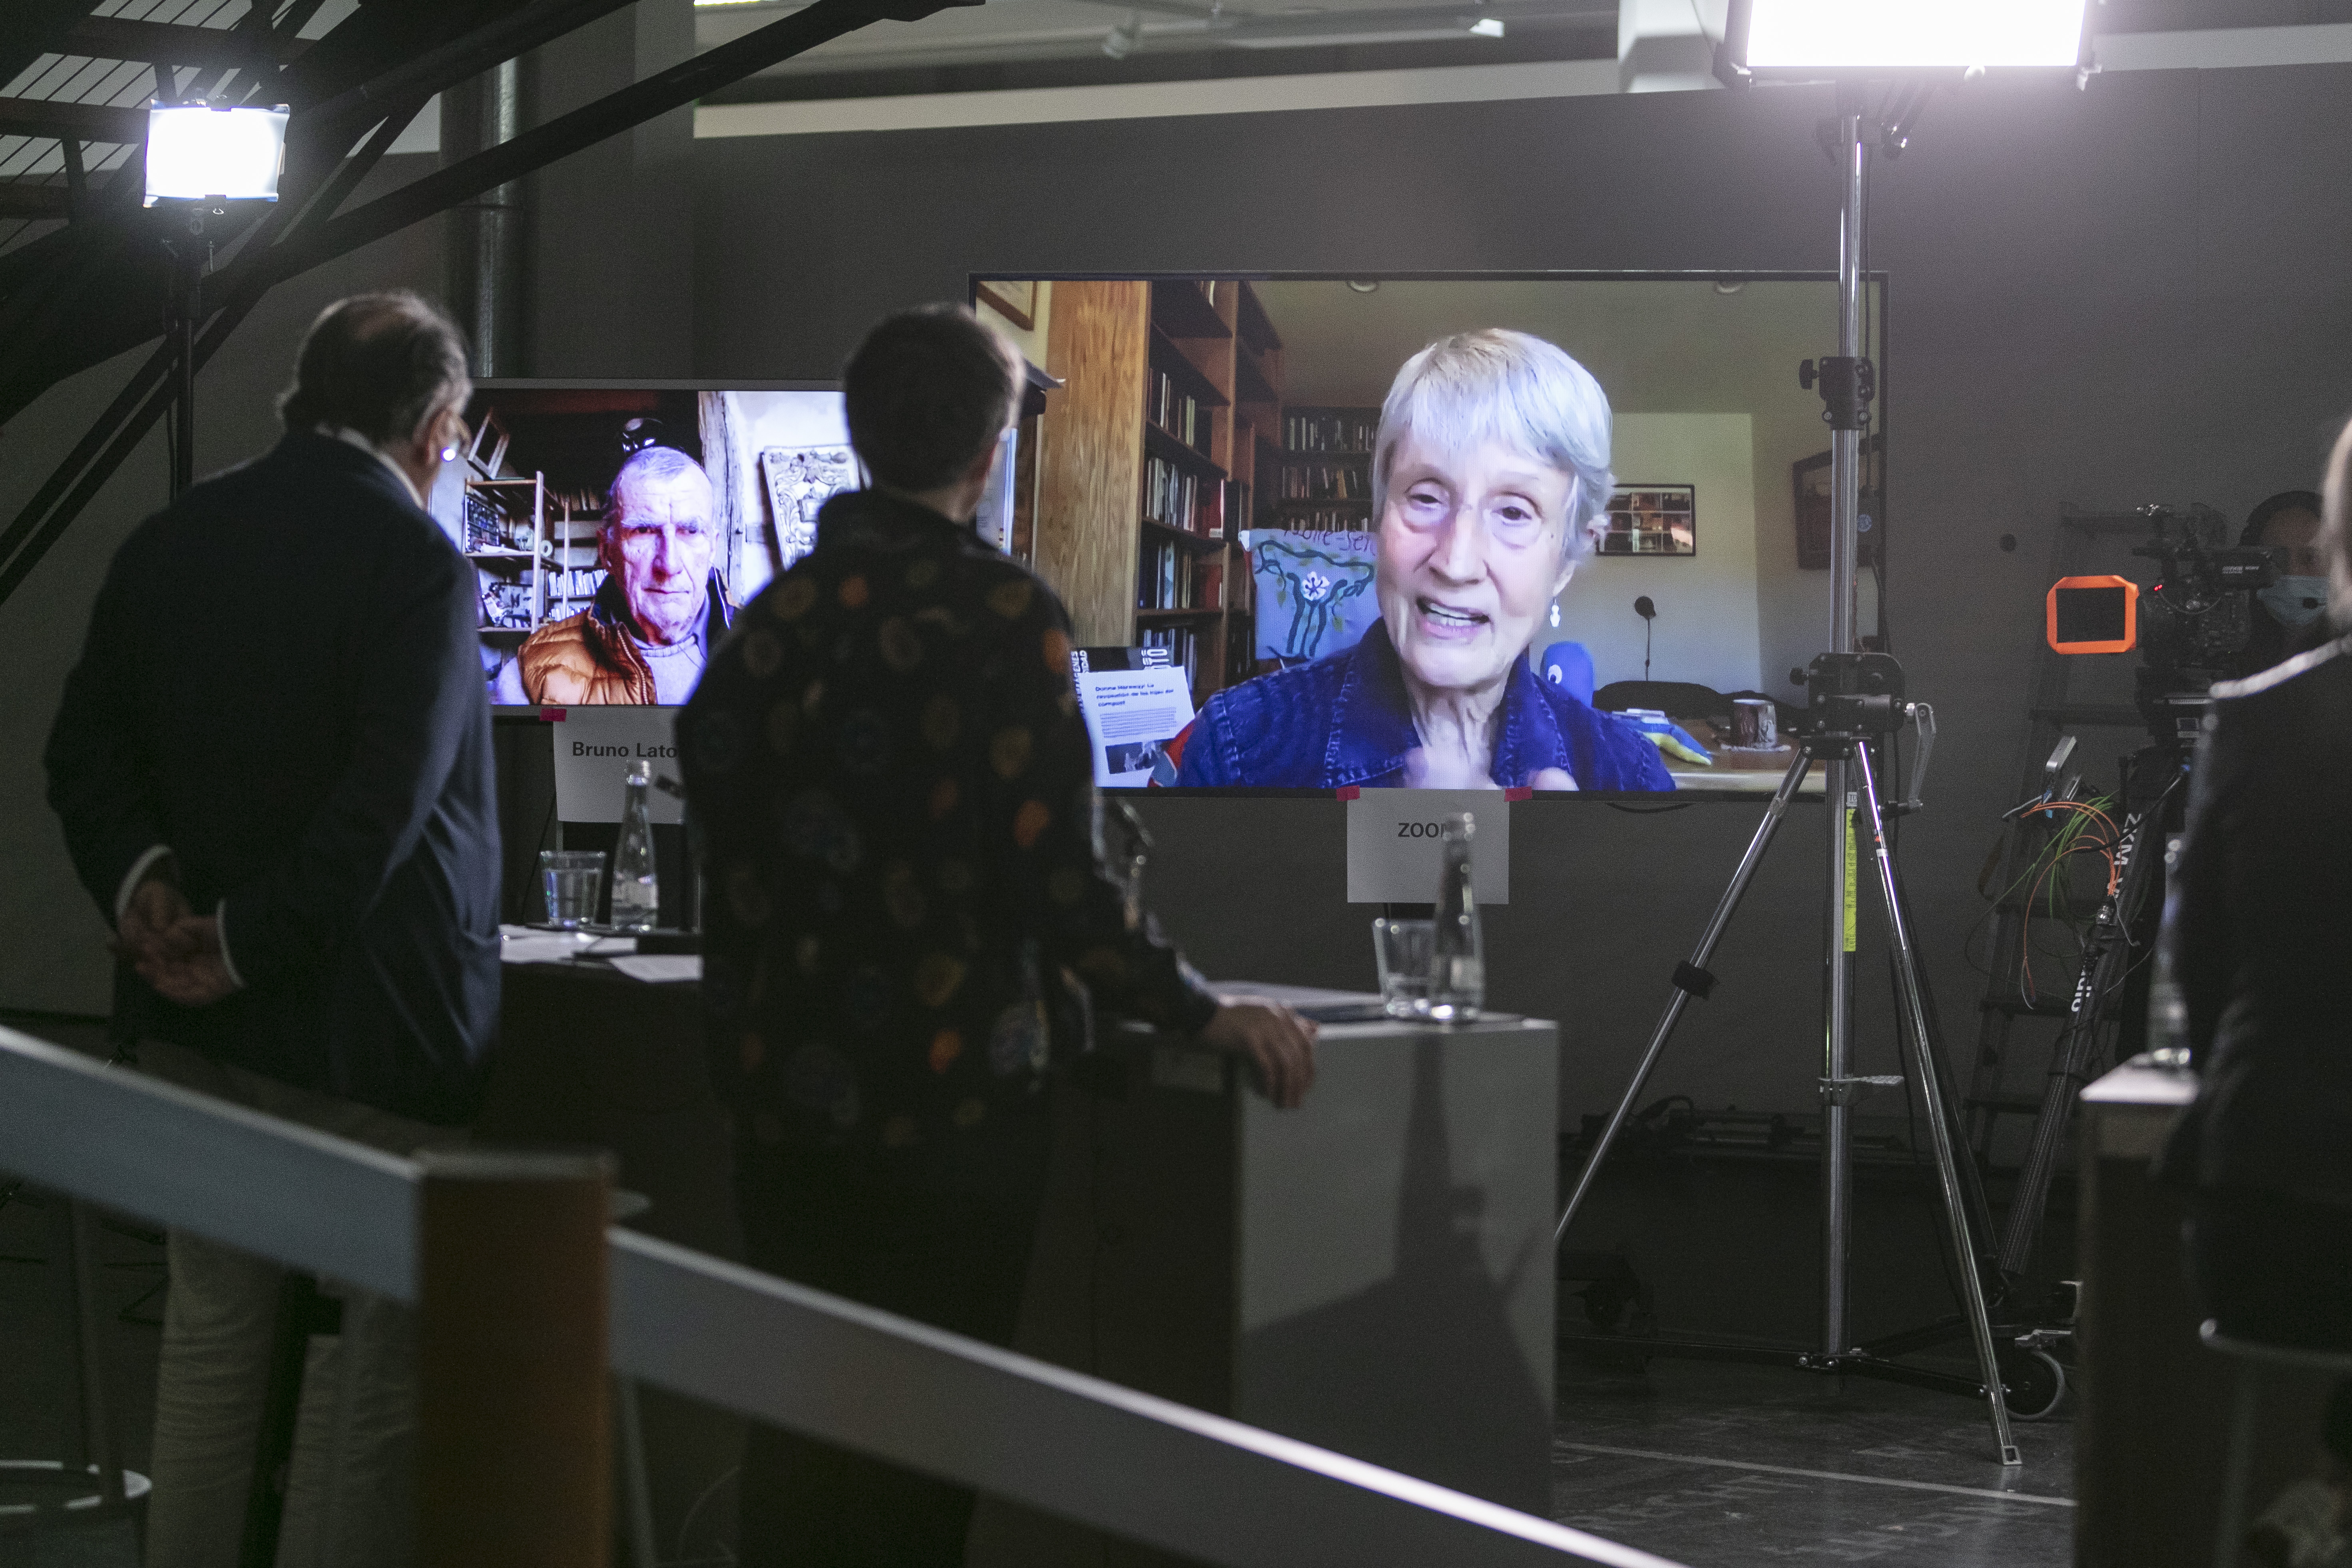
647 466
1515 388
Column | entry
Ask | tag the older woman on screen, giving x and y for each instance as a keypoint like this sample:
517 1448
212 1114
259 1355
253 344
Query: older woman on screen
1491 470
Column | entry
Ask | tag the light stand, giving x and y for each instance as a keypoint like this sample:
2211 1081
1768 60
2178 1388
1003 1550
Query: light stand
1854 698
199 157
187 253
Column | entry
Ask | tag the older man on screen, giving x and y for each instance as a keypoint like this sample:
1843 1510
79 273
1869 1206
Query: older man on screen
1489 476
649 633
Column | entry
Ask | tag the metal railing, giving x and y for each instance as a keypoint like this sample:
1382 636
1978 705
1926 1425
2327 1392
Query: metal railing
1089 1451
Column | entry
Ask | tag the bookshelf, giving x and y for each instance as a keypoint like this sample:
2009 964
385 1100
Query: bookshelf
1326 467
1150 466
504 525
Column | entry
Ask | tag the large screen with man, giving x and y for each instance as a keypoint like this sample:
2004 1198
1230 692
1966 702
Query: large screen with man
615 528
1550 532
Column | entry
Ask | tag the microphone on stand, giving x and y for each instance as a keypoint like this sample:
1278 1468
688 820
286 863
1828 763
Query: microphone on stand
1649 613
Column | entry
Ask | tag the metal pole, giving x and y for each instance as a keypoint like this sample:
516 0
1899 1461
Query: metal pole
1837 1045
1689 974
1965 1264
485 246
187 282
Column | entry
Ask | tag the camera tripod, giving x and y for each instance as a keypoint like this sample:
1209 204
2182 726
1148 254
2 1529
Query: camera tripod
1855 699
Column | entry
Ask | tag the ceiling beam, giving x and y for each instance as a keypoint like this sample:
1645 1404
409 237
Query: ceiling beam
114 38
23 199
83 122
34 29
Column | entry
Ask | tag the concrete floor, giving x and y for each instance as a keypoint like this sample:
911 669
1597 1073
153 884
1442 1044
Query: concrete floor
1710 1465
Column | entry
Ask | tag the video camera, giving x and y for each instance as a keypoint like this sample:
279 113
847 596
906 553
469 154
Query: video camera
2188 626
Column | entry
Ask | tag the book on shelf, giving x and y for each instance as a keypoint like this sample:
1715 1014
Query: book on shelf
1181 646
1172 496
1177 412
1327 519
1327 481
1169 578
1337 430
1160 578
486 525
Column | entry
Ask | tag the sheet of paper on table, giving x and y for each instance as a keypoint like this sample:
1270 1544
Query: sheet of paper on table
661 968
528 944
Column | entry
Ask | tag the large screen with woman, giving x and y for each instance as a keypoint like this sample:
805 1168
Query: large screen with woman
1550 532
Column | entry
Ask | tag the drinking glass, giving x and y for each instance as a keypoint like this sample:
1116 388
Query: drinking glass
1402 950
573 878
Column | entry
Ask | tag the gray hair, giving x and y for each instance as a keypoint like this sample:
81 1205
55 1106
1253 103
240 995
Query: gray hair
648 465
381 364
1511 387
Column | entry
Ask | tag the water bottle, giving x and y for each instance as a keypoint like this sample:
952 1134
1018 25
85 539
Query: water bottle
1457 966
636 894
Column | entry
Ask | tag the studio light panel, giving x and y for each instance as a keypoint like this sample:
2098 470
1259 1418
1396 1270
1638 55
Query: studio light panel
1839 36
194 151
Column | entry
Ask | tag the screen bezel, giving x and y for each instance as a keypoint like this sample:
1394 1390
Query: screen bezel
517 712
1876 340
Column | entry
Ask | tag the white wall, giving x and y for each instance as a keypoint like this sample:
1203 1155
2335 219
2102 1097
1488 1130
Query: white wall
762 419
1706 626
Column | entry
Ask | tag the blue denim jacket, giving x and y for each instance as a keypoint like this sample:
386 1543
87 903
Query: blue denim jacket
1343 720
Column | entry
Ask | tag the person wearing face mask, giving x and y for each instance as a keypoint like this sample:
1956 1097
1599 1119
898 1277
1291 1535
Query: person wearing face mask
1490 471
2289 615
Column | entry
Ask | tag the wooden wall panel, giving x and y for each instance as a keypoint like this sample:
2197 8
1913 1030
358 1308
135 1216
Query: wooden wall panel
1090 460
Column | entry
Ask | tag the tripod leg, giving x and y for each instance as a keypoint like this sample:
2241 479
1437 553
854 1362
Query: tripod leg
1971 1165
1837 1059
1939 1126
1692 973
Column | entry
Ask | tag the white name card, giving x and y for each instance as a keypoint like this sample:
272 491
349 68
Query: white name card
1396 839
595 747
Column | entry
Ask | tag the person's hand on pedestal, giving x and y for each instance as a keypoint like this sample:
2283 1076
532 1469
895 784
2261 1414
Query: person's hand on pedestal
1278 1041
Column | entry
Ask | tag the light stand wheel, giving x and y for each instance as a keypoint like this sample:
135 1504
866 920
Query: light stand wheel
2034 1381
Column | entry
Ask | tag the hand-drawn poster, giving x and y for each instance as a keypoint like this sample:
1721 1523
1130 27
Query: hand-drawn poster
1314 590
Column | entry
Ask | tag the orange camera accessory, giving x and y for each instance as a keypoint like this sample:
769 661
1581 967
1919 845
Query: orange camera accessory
2093 614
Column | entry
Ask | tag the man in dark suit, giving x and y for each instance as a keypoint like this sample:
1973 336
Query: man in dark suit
273 767
896 800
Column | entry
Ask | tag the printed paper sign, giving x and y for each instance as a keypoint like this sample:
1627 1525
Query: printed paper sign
1131 715
1395 839
594 748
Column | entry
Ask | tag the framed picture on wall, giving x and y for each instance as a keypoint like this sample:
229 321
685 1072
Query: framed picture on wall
1651 520
1016 301
1810 477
